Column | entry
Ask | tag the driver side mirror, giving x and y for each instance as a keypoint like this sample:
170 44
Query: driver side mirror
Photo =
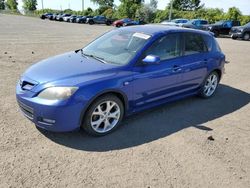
151 59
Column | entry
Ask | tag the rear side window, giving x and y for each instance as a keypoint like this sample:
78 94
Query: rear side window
167 47
193 44
208 42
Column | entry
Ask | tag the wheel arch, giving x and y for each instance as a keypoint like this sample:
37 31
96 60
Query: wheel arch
121 95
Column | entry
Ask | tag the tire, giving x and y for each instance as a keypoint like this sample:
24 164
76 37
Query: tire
246 36
91 22
216 33
108 23
209 85
234 37
100 120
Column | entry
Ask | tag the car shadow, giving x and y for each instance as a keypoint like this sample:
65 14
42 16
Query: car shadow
159 122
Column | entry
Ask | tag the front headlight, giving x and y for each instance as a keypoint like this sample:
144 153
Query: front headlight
57 93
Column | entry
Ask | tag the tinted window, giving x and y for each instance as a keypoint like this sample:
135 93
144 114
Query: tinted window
208 42
203 22
167 47
193 44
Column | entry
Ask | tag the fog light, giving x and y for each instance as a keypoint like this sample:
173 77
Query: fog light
50 121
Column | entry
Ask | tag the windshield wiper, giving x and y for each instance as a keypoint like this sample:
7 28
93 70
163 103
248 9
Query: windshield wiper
95 57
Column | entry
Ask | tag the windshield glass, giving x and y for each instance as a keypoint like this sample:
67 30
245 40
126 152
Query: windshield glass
219 22
248 24
117 46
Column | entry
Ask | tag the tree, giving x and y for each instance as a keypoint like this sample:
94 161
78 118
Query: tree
29 5
11 4
147 12
233 13
2 5
187 5
108 3
128 8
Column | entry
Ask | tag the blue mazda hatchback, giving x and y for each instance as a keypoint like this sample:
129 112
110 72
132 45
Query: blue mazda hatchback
122 72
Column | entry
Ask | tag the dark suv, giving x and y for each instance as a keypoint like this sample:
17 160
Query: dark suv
241 32
99 20
222 27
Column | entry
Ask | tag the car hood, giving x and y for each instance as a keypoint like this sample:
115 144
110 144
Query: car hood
65 66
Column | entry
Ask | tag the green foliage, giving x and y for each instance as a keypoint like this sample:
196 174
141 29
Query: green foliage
11 4
128 8
147 12
233 14
109 13
29 5
187 5
2 5
105 3
244 20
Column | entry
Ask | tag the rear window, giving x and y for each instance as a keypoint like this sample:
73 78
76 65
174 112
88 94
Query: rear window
194 44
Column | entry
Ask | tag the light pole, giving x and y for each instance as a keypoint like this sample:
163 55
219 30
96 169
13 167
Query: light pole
82 5
42 5
170 12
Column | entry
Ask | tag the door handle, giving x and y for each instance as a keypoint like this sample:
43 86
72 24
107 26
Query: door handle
176 68
205 61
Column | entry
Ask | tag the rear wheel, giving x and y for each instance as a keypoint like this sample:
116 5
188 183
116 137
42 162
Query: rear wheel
210 85
91 22
103 116
246 36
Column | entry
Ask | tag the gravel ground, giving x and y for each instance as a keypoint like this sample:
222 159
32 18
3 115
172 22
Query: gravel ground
167 146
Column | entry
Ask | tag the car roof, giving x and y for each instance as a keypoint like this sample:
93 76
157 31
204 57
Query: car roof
155 29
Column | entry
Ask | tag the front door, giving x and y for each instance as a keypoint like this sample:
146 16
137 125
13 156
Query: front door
155 82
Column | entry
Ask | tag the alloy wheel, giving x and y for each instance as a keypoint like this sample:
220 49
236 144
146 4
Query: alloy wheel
210 85
105 116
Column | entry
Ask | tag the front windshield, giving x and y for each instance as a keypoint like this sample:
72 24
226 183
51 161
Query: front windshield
248 24
219 22
117 46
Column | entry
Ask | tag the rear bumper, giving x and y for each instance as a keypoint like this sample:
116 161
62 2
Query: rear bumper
57 116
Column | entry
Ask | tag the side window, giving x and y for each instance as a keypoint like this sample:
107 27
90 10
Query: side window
167 47
204 22
208 42
194 44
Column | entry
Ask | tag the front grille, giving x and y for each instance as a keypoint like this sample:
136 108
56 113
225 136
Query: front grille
27 111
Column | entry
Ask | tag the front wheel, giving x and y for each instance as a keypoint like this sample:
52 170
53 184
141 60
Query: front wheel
246 36
103 116
210 85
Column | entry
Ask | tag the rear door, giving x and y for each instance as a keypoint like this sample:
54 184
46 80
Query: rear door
194 61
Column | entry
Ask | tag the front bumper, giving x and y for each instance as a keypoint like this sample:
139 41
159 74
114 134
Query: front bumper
56 116
236 34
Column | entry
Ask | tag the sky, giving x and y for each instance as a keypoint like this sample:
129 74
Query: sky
243 5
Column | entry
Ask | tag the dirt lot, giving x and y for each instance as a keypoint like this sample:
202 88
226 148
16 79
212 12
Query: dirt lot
164 147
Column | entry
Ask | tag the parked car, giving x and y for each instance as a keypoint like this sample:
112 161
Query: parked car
61 16
99 20
53 17
242 32
73 18
83 19
222 27
195 24
119 23
175 22
134 22
142 67
46 16
66 18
